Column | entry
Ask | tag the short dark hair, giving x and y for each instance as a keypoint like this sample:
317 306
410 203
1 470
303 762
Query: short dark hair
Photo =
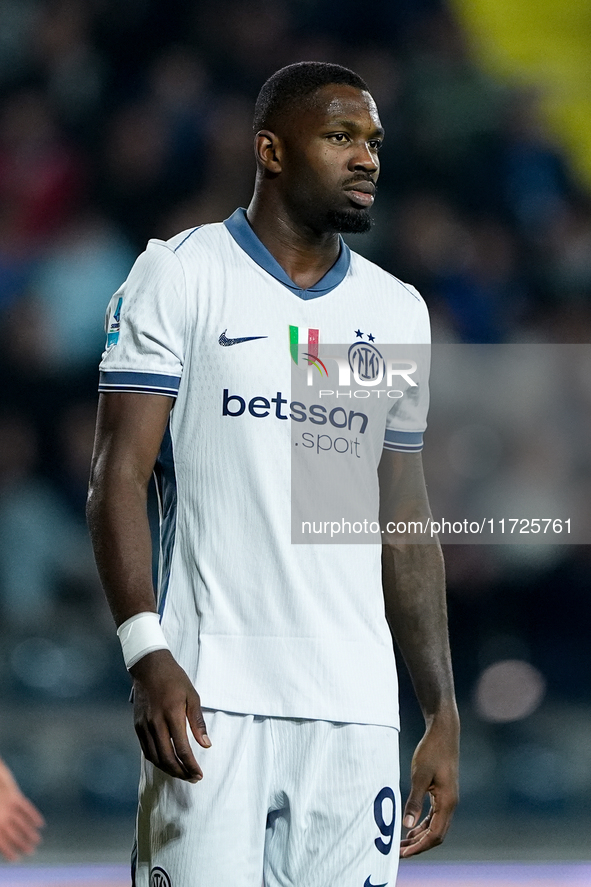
288 86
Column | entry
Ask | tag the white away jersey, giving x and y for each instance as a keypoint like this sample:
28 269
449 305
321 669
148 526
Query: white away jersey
260 625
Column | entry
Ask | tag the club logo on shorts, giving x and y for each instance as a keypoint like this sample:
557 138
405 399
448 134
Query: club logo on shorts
159 878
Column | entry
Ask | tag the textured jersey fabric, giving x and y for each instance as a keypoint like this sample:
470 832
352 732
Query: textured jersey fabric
260 625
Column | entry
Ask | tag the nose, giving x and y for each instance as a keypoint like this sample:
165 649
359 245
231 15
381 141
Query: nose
364 159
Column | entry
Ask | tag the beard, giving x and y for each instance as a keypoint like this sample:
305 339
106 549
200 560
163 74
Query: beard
349 221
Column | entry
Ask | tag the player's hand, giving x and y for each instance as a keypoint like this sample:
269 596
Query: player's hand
164 701
434 772
20 821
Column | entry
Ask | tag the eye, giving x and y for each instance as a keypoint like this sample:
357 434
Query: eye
375 144
339 137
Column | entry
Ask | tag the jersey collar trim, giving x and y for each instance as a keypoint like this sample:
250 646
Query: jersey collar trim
240 229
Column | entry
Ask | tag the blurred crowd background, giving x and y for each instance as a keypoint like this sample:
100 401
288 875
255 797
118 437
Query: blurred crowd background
125 121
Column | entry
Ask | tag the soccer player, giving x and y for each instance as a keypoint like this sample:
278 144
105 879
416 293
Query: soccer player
265 686
20 821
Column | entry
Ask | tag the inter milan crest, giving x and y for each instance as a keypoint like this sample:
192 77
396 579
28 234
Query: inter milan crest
159 878
366 362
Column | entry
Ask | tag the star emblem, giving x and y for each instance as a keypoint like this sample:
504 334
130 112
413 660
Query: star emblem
359 334
370 337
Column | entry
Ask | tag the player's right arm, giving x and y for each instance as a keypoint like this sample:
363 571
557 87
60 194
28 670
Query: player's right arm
129 432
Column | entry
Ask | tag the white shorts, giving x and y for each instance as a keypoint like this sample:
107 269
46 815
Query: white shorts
282 802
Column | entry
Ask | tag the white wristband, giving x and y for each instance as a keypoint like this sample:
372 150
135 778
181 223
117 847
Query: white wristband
140 635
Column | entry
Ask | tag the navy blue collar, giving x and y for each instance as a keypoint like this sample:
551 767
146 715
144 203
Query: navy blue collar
240 229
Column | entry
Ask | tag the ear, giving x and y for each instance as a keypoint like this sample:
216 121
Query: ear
268 150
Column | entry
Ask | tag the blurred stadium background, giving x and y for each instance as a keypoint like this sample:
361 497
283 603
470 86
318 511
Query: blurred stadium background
122 121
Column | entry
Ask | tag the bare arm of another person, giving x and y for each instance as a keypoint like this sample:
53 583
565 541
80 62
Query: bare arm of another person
20 821
129 432
414 593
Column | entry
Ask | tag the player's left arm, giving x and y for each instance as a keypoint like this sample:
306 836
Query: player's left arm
414 592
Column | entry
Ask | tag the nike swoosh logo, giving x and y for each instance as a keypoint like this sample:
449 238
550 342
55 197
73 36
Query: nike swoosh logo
369 884
223 340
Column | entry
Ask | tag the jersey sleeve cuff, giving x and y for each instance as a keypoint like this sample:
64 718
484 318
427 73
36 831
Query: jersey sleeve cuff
403 441
139 383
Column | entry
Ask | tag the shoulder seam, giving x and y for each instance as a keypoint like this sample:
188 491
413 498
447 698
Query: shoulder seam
173 252
416 295
187 237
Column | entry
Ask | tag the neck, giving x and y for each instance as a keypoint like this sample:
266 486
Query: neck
304 255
